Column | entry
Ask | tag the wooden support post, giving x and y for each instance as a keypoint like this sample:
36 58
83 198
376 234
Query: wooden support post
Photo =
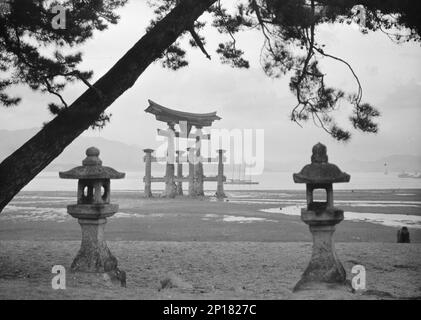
170 186
198 165
220 194
190 158
198 179
148 172
179 172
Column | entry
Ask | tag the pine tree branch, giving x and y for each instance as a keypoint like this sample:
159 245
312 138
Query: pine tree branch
199 42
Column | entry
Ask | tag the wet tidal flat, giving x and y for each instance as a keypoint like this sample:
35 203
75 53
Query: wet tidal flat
370 216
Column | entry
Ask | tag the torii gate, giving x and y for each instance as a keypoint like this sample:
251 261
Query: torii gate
173 184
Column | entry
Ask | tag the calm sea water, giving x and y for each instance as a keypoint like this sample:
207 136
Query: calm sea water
49 181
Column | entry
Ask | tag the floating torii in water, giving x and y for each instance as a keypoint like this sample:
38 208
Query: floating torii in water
173 185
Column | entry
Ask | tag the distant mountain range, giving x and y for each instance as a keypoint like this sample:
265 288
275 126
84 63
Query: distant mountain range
122 156
394 163
113 153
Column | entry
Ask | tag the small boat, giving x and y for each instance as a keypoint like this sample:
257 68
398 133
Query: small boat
405 175
240 181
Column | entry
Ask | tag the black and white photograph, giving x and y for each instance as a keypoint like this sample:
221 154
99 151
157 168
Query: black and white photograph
217 151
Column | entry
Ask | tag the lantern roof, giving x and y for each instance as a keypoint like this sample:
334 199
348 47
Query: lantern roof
320 171
92 168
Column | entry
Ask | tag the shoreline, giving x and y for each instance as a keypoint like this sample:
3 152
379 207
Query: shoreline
241 217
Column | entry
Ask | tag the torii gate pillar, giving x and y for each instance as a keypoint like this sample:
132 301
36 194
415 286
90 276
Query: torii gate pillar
198 165
179 188
148 172
220 194
170 186
191 155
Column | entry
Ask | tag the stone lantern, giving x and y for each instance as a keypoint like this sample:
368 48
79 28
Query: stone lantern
324 266
92 210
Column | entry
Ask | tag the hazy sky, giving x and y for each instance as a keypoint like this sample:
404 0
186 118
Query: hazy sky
247 99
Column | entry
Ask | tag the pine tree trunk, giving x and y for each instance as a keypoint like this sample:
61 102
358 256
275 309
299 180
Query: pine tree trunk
25 163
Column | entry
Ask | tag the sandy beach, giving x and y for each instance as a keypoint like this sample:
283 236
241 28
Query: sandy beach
207 270
240 248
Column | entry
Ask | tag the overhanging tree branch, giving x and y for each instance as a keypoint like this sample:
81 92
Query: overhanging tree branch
26 162
198 42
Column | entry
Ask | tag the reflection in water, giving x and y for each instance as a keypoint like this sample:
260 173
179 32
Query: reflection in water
390 220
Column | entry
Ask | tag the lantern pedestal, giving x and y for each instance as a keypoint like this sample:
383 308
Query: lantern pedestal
92 209
324 267
93 255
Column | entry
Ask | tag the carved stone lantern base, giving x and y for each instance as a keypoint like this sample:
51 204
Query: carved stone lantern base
324 267
93 255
